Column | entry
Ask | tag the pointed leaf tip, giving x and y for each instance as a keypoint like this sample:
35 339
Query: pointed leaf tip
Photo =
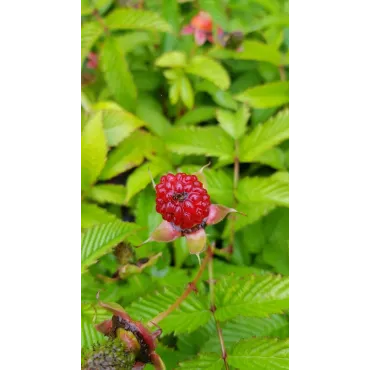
218 212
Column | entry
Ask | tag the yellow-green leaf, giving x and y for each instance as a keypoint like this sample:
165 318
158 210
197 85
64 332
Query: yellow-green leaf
93 151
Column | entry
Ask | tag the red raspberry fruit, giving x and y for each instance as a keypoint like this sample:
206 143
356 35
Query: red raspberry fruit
182 200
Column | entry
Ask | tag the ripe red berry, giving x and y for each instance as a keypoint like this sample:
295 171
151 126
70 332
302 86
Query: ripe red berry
182 200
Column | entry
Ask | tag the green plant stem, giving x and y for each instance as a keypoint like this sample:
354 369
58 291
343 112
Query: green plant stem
282 73
213 309
191 287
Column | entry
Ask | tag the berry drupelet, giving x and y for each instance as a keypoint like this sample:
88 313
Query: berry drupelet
182 200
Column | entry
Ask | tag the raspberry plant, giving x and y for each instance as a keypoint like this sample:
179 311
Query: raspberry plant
195 95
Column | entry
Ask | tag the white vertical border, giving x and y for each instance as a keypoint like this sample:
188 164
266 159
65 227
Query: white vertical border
329 185
40 185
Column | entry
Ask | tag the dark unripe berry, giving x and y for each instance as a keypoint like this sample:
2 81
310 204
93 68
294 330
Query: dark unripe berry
182 200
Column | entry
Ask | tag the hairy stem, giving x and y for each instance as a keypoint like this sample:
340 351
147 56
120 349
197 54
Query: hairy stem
191 286
213 309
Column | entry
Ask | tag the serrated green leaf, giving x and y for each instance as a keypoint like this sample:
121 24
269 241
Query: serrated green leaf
220 187
255 296
118 123
117 74
126 155
90 33
210 70
140 178
190 315
92 215
91 315
273 94
264 137
100 239
108 193
172 59
197 115
204 361
128 18
212 141
235 124
274 157
255 50
245 328
93 151
273 189
260 354
186 92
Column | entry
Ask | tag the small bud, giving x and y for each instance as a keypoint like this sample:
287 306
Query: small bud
217 213
196 242
165 232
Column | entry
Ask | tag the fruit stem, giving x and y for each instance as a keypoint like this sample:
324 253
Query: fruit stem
213 310
191 286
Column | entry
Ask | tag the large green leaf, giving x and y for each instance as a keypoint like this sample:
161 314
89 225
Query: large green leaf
93 151
140 178
90 33
212 141
92 215
234 124
150 111
117 75
189 316
264 137
273 189
91 315
118 123
260 354
204 361
274 157
108 193
128 18
255 296
209 69
255 50
245 328
145 213
127 155
273 94
220 186
99 240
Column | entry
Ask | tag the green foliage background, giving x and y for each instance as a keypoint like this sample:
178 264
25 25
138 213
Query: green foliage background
158 100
